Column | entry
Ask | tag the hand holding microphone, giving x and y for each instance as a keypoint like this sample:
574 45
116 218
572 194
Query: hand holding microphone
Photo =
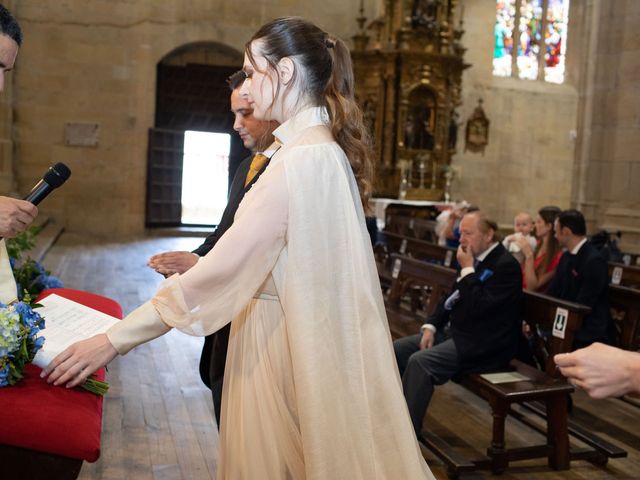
16 215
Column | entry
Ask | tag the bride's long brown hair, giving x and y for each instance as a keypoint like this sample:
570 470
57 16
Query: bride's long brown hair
328 80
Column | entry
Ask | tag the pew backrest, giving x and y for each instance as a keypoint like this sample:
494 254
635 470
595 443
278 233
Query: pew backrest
624 303
625 275
420 228
419 249
553 324
434 281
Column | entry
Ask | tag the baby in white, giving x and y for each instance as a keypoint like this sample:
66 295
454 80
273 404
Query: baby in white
522 227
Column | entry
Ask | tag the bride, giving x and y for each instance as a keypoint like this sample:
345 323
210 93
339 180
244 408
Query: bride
311 388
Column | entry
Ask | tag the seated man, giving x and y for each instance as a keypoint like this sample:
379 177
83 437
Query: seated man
582 277
484 312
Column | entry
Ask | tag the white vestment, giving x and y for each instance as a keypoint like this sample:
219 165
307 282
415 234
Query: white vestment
311 387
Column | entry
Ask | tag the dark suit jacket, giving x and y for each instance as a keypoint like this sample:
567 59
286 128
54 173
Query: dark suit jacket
583 278
214 351
486 321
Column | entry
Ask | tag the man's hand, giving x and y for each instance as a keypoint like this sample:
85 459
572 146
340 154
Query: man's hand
172 262
464 256
15 216
73 366
427 339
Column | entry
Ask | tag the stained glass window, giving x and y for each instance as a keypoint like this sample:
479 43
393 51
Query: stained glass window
503 32
530 39
556 40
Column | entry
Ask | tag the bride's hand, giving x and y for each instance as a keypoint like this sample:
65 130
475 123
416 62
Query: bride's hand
74 365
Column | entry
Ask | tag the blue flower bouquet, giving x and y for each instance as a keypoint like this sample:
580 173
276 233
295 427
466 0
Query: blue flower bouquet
32 278
19 343
19 340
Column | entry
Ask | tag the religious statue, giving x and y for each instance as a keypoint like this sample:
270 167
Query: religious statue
453 130
424 14
418 131
477 131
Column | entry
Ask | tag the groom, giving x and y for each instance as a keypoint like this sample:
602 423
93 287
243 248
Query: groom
255 135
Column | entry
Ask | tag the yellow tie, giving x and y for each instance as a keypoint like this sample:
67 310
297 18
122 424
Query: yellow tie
256 165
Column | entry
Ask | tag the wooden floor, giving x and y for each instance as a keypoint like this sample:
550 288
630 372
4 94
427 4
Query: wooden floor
158 419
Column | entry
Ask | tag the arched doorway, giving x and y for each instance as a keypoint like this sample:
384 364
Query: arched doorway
192 95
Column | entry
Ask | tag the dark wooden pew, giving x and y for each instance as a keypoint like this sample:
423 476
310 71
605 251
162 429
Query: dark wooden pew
410 247
415 292
625 275
420 228
624 303
419 249
429 283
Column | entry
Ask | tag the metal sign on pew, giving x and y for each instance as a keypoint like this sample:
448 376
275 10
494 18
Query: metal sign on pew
616 275
560 322
396 268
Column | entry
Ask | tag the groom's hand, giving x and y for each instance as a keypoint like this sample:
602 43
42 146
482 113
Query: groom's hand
172 262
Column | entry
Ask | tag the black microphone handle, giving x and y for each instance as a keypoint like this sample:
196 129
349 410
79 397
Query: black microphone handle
39 192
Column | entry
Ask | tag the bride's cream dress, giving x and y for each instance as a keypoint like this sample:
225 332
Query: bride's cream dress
311 386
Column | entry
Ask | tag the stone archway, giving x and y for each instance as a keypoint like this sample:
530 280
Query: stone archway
191 94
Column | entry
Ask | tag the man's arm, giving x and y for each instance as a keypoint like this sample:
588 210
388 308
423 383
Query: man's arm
437 320
208 243
479 297
595 280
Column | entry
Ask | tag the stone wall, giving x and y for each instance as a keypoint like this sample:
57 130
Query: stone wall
607 182
529 159
572 145
95 62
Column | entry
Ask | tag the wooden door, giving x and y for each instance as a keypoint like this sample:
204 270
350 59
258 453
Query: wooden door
164 177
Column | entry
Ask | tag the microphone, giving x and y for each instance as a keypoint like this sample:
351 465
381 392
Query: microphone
55 176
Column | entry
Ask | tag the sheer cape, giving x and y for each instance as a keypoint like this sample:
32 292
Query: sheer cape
300 233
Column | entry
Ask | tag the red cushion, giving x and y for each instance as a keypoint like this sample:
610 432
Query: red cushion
55 420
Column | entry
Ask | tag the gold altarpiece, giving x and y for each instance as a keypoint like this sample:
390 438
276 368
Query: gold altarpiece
408 69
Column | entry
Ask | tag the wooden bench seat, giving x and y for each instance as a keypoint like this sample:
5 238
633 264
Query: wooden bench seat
543 392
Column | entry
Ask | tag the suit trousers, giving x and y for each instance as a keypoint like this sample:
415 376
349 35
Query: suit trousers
216 395
421 370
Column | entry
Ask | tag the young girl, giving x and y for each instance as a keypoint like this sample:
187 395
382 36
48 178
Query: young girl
311 389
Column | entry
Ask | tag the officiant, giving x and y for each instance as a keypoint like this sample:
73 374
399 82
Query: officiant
15 215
